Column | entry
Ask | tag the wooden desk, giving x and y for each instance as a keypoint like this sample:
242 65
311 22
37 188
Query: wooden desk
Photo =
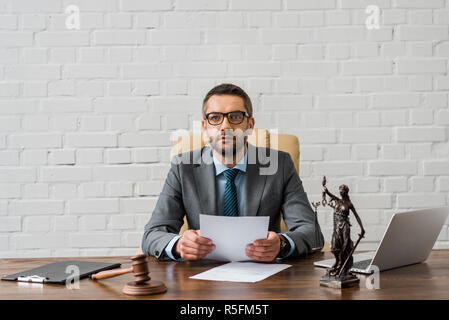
428 280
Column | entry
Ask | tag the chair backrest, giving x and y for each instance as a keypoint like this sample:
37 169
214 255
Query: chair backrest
259 138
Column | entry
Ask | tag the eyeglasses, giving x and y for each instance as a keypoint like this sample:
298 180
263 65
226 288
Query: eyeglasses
234 117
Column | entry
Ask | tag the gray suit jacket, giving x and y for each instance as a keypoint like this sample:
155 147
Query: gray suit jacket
190 189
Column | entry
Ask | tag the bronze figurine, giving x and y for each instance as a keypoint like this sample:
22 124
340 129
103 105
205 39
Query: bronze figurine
340 276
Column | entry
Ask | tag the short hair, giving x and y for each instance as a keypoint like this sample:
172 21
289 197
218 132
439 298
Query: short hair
233 90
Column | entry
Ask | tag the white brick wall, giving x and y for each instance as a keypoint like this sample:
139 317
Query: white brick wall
86 115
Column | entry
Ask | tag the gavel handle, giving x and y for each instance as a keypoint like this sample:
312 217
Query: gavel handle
110 273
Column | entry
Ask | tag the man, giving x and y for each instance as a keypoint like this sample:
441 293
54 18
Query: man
227 178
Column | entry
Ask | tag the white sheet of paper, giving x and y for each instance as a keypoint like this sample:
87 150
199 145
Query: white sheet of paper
231 235
241 272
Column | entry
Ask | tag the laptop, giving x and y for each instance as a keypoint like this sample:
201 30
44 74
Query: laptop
408 239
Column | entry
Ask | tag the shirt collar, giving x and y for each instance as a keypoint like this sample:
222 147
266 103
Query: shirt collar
220 167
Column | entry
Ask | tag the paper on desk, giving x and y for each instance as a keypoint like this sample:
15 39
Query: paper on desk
231 235
241 272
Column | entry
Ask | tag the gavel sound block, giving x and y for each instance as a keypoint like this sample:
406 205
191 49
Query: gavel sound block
142 285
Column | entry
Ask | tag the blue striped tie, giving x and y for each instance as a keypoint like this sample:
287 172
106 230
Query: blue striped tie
230 204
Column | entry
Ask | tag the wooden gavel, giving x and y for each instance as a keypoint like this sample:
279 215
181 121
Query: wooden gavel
139 269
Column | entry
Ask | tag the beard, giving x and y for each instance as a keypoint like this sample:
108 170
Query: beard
229 147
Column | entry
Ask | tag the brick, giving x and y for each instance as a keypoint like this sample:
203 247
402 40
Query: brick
119 189
372 201
93 206
65 174
253 4
120 173
341 102
287 102
34 157
420 134
310 136
340 34
207 69
395 184
255 69
143 139
421 66
88 140
56 105
121 105
422 184
362 4
374 67
224 37
174 37
94 239
142 5
393 118
338 168
62 38
8 190
10 224
36 207
92 190
310 69
121 222
66 223
36 224
419 4
35 191
148 71
393 151
309 5
392 168
40 241
367 185
89 156
89 71
287 36
145 155
435 168
119 37
335 153
37 140
365 135
443 184
116 156
32 72
140 205
421 200
9 158
16 39
97 222
365 151
64 190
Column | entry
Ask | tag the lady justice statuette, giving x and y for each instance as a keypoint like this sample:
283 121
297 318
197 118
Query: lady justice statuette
339 275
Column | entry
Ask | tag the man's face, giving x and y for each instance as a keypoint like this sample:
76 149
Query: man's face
227 138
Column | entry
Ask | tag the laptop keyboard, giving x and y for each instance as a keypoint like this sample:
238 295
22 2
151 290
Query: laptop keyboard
362 265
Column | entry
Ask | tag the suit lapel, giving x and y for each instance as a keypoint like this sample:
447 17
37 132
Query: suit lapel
255 183
204 174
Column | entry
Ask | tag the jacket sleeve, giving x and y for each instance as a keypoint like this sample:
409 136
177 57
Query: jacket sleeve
167 217
300 219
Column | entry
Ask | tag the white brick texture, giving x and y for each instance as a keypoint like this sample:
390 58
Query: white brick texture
86 114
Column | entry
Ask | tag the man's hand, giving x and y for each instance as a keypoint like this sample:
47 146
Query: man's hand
264 249
192 246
